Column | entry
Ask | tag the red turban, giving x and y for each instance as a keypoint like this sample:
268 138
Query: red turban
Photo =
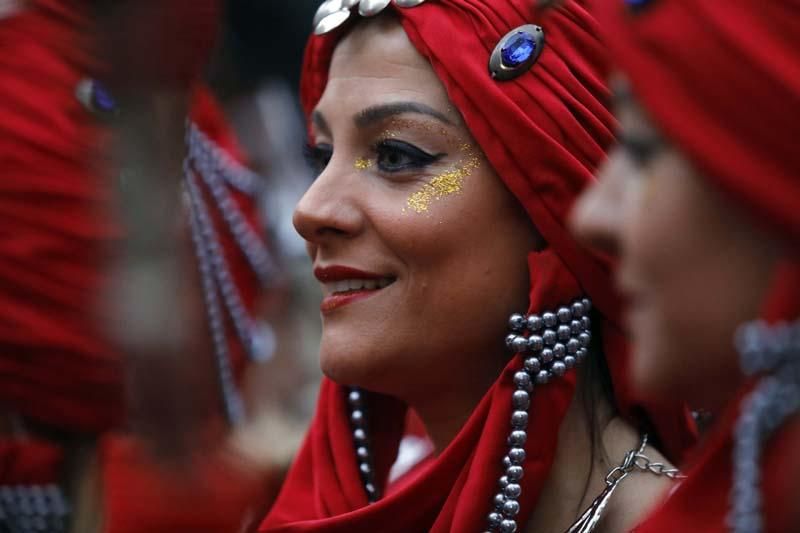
722 82
544 133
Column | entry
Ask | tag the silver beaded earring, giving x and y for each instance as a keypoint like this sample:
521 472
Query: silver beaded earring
774 352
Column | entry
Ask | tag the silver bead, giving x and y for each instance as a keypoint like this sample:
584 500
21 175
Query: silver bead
517 322
585 338
357 417
582 353
521 399
371 490
513 474
550 320
499 500
362 453
547 355
354 398
503 483
512 491
508 526
370 8
587 305
577 309
517 438
559 368
409 3
575 327
506 462
359 436
510 341
517 455
511 508
570 361
564 315
549 337
563 332
494 519
519 419
520 345
535 323
533 365
365 469
587 323
523 381
535 343
542 377
559 350
573 346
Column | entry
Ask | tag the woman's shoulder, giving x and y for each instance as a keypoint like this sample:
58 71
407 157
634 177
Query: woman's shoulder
637 495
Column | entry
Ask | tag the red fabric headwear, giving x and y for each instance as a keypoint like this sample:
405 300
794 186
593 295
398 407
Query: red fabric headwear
720 80
57 366
544 133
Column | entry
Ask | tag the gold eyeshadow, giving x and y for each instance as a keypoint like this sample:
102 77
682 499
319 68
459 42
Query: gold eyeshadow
445 184
362 163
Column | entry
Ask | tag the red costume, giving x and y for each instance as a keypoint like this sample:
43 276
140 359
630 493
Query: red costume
58 369
721 80
544 133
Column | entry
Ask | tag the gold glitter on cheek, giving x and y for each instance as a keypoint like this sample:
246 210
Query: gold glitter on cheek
451 182
362 163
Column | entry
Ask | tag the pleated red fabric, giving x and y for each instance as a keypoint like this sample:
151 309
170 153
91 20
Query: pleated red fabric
721 81
544 133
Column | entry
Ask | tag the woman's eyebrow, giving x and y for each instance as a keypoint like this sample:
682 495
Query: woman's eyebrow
318 119
371 115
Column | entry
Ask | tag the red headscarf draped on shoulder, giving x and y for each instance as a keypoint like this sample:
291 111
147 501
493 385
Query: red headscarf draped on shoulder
544 133
721 80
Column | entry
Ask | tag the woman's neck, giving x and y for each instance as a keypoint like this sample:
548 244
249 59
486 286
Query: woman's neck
583 459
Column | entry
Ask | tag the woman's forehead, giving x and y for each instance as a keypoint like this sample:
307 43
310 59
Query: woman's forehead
376 60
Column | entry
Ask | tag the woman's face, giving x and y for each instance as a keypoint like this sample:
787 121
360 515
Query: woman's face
692 267
419 248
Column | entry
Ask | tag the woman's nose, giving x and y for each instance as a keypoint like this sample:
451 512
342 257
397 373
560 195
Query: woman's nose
329 208
598 215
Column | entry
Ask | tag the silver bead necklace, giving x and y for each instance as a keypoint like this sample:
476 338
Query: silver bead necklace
775 352
33 509
550 343
207 162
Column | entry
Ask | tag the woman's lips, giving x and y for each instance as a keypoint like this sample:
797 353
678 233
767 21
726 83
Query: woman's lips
344 285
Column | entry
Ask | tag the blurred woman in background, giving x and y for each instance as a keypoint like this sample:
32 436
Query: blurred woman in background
701 201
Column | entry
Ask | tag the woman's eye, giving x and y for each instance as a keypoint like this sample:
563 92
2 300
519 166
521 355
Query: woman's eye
640 151
396 156
318 156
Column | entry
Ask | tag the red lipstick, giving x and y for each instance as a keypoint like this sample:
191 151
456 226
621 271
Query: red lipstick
336 297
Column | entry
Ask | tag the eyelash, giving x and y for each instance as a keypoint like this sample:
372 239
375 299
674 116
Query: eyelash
320 155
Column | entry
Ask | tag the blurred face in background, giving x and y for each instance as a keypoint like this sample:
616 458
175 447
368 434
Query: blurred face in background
420 249
692 266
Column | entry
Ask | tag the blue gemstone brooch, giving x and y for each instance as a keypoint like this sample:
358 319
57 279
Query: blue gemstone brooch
516 52
96 97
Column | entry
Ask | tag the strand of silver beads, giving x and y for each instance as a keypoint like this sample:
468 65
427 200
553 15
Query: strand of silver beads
775 352
358 423
33 509
551 344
